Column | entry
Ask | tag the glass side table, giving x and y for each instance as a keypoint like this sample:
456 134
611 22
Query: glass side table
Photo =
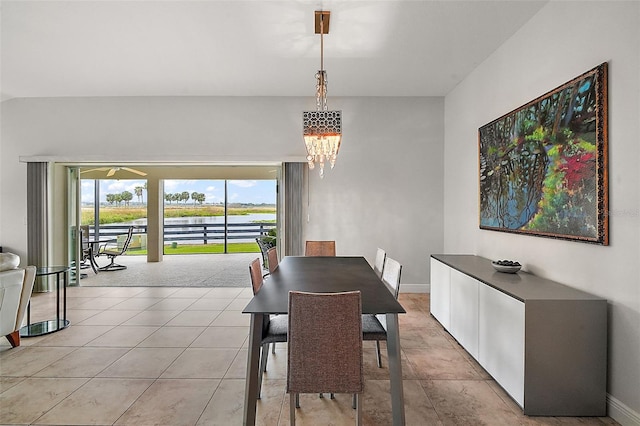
50 326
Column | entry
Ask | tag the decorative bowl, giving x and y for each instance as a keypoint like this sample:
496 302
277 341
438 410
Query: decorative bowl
506 266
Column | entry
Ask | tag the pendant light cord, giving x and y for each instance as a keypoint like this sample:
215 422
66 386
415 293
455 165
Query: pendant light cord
321 42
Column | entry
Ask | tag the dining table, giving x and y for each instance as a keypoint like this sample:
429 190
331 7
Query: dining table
329 274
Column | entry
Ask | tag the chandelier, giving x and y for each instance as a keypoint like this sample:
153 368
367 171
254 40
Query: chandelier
322 129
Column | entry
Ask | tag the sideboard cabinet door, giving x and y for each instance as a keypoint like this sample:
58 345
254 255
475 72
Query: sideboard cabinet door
464 311
501 340
440 297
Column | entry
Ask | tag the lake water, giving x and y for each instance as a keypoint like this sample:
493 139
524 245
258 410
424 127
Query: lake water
243 218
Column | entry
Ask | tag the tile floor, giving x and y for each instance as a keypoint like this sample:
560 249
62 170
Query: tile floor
177 356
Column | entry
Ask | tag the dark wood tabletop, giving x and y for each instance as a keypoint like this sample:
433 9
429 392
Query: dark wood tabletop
323 275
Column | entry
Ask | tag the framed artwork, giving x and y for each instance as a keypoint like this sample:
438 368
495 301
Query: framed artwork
543 166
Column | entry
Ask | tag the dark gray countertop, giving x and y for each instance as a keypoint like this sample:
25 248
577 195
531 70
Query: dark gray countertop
521 285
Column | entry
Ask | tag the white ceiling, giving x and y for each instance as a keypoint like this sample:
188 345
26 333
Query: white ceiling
247 48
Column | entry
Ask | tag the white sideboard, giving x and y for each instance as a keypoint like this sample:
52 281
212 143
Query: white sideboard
545 343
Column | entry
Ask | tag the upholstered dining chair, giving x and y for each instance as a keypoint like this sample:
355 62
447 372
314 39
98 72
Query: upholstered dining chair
272 259
16 285
320 248
274 327
378 265
374 326
319 359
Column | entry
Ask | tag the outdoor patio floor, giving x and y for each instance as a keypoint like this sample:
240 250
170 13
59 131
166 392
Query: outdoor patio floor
183 270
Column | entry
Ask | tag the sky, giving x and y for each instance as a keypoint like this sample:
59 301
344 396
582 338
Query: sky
240 191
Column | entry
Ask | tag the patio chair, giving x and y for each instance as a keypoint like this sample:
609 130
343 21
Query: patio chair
374 326
85 249
264 247
320 248
274 327
112 254
319 359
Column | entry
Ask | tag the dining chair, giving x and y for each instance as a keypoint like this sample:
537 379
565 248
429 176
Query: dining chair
112 254
320 248
272 259
378 266
374 326
319 359
272 262
274 327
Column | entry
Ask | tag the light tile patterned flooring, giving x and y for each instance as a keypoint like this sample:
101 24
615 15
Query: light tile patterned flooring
177 356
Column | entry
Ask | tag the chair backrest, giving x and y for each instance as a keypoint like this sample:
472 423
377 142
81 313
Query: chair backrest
272 259
255 270
84 240
127 241
378 266
391 275
320 248
264 247
325 343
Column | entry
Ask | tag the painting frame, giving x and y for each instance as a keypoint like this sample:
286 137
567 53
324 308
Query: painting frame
543 167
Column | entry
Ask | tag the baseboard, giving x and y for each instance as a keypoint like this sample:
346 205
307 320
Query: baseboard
622 414
415 288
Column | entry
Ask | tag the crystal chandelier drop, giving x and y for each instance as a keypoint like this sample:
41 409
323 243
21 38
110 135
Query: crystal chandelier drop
322 129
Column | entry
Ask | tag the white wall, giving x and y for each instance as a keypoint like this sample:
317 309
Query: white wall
386 189
562 41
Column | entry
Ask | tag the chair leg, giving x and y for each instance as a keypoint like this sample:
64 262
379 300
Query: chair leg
378 353
265 358
112 266
354 403
273 348
297 400
263 366
14 338
292 408
358 409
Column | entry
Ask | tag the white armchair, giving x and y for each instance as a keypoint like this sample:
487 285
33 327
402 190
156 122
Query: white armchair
16 285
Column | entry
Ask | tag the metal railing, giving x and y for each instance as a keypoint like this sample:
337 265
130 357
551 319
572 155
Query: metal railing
200 232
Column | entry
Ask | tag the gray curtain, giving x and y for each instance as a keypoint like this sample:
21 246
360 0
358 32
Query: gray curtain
293 207
37 219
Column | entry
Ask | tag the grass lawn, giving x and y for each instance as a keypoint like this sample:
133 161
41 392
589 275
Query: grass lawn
203 248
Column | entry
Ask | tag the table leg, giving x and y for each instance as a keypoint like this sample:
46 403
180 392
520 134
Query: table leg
64 297
253 360
58 298
395 369
92 260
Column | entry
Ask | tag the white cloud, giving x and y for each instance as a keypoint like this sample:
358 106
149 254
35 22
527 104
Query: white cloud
243 183
115 186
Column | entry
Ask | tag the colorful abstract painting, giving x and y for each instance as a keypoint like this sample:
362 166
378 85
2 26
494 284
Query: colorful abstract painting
543 166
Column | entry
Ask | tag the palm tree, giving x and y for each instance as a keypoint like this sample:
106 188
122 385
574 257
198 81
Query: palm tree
184 196
138 190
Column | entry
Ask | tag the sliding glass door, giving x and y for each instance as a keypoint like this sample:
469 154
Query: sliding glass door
218 216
